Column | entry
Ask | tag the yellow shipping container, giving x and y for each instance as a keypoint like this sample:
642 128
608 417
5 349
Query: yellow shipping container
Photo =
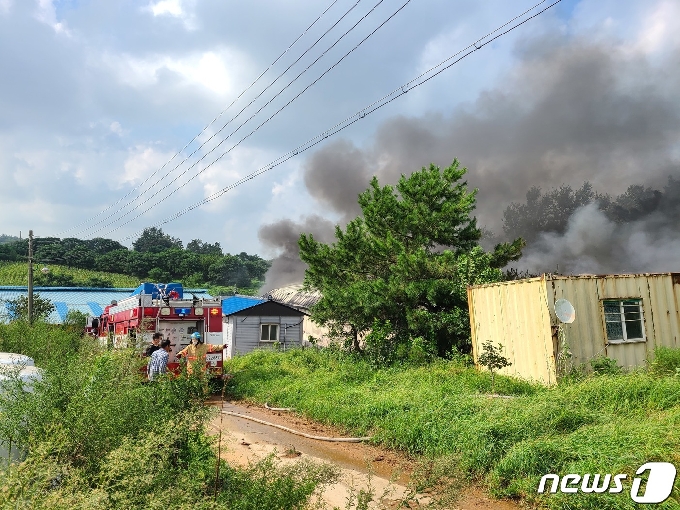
624 317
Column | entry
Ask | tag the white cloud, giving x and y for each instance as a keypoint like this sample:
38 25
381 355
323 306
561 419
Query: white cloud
5 6
47 14
167 7
213 71
141 162
660 30
236 165
286 184
116 128
180 9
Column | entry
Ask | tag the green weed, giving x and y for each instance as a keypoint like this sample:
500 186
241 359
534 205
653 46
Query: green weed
99 436
607 423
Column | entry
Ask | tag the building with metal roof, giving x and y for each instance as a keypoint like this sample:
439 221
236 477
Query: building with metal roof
233 304
253 323
303 300
88 300
295 296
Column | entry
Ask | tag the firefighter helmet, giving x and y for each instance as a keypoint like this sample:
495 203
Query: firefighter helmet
196 336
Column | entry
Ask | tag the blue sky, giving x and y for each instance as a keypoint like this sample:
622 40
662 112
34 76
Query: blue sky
96 96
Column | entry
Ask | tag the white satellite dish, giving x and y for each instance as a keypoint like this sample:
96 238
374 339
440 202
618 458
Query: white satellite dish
565 311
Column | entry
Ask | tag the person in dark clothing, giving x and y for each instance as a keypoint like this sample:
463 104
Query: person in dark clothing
155 344
158 362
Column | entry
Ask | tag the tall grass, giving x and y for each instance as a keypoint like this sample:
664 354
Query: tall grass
16 273
604 424
98 436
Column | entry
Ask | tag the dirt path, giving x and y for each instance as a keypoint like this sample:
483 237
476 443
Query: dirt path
363 466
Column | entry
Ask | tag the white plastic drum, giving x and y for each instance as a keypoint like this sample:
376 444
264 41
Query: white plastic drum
28 375
10 358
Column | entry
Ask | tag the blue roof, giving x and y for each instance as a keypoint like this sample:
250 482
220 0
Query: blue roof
235 304
89 300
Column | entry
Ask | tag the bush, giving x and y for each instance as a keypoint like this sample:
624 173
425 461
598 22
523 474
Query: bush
99 436
666 361
603 365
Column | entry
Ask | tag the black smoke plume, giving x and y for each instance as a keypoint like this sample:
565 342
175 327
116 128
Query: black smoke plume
571 110
282 236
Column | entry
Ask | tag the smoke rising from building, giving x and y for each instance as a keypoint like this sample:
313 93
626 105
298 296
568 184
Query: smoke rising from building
570 111
287 268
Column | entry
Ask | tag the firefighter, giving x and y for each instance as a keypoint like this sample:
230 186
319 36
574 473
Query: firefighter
197 350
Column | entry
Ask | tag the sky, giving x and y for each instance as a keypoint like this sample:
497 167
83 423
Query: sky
119 115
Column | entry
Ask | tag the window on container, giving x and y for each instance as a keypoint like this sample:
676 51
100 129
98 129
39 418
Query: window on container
624 320
269 332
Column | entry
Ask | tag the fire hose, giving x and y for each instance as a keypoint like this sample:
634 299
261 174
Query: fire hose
266 405
297 432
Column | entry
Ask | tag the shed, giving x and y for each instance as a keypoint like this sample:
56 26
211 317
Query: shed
300 299
250 323
624 317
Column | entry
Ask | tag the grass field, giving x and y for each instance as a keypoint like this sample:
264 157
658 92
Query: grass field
441 413
16 273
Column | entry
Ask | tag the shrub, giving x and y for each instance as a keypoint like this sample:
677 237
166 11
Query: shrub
603 365
666 361
98 436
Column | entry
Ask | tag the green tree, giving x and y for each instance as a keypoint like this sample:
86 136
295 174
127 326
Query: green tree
4 239
117 261
229 270
17 308
492 358
256 266
198 246
153 240
404 266
76 319
100 246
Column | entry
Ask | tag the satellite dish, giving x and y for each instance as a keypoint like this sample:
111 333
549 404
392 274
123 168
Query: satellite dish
565 311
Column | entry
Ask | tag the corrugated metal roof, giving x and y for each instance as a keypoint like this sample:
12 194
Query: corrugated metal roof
550 277
89 300
235 304
293 295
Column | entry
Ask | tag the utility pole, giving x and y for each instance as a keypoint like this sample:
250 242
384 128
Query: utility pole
30 277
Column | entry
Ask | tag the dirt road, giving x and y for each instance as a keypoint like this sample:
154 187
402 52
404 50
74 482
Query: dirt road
382 472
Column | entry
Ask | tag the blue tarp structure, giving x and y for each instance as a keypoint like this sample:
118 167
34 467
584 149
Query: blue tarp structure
89 300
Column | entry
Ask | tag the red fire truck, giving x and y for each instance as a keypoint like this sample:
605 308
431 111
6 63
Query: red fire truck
163 308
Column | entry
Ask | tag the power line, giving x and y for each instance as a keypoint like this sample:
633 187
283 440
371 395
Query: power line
238 114
210 124
261 124
388 98
252 116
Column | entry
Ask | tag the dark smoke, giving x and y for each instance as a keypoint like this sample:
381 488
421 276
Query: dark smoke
336 174
636 232
287 268
570 111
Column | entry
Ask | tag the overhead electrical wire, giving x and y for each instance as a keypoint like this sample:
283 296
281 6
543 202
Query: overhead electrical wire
239 113
157 202
290 46
388 98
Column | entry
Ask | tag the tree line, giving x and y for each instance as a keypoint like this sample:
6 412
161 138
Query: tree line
155 256
550 211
